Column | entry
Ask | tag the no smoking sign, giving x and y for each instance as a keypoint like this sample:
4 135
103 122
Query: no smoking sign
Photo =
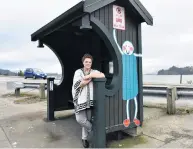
118 17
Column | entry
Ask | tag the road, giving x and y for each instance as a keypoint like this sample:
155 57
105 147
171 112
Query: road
21 79
4 80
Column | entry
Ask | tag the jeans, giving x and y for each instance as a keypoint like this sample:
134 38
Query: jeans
84 119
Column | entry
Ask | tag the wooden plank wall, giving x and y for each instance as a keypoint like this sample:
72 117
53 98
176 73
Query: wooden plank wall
115 106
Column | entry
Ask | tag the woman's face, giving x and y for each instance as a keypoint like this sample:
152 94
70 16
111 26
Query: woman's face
87 63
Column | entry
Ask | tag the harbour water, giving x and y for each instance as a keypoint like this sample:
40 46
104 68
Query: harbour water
166 79
159 79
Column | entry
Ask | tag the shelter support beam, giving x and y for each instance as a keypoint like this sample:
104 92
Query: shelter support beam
99 134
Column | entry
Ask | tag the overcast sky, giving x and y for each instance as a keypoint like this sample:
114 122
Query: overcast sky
169 42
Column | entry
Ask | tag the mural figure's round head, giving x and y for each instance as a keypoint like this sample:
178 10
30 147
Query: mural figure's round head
128 48
87 60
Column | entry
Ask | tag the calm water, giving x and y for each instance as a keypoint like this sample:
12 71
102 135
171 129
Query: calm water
167 79
162 79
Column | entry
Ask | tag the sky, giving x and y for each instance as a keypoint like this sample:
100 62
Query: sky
168 42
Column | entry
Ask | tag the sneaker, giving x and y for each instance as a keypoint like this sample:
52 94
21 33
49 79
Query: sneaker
85 143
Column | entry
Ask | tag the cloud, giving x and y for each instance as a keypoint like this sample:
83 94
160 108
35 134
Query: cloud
27 56
19 19
168 42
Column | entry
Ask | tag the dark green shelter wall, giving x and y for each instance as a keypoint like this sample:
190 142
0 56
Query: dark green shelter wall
115 106
59 44
69 48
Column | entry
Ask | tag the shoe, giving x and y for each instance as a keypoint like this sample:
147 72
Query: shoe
126 122
85 143
136 121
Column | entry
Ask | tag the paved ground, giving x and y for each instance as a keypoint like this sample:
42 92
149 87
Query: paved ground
163 132
23 126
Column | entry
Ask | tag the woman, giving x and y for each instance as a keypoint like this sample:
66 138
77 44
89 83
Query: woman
82 92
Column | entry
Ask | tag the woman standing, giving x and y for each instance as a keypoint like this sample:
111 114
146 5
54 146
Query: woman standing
82 92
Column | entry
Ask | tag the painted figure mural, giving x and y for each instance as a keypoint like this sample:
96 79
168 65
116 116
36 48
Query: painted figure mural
130 77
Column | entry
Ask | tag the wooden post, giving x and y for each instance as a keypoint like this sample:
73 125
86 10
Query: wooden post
50 99
140 75
99 124
181 79
42 91
171 98
17 92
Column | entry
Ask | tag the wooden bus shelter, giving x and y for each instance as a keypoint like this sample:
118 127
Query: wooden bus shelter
110 30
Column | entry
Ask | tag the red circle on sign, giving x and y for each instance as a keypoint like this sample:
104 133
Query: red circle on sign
118 10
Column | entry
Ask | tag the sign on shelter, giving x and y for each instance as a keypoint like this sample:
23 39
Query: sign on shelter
118 17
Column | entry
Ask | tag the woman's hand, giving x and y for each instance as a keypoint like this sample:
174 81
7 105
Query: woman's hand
97 75
87 77
84 82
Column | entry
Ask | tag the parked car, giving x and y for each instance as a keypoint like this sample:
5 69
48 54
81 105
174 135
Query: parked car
34 73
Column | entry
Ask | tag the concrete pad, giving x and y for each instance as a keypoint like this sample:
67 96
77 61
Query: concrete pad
151 143
8 108
170 129
161 130
153 113
5 144
31 131
2 135
180 143
136 142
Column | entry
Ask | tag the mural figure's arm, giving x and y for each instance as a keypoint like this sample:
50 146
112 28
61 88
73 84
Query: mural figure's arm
137 55
115 38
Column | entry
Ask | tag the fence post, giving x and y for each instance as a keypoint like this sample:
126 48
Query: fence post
42 91
99 124
171 98
50 99
181 79
17 92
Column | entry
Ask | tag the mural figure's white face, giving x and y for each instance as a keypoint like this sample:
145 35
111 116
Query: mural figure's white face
128 48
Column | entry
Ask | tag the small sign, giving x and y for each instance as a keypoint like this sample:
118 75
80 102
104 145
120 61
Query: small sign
51 85
118 17
111 67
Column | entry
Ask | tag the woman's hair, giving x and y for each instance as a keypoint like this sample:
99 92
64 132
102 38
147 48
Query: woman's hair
87 56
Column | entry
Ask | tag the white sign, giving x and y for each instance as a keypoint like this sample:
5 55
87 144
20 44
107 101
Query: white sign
111 67
118 17
51 85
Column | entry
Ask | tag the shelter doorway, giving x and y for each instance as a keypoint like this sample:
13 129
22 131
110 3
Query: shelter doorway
79 43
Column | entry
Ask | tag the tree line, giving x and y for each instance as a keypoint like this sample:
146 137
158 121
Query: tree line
20 73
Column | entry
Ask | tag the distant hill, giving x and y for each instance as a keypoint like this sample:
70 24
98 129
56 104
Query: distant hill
188 70
7 72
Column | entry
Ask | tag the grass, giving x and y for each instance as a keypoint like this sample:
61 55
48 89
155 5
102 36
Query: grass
25 98
128 142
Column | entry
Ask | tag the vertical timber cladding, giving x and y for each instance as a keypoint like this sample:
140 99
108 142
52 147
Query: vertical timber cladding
116 108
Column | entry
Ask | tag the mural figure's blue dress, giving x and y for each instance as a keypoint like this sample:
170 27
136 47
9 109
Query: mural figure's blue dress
130 81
